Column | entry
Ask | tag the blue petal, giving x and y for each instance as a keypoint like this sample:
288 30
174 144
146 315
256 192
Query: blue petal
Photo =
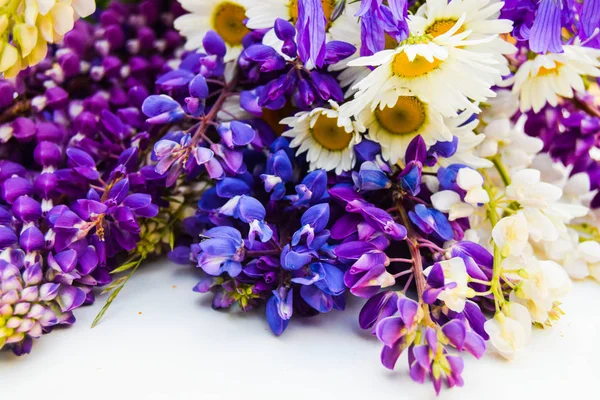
231 187
242 134
333 283
175 79
314 297
198 87
276 323
410 178
317 216
251 209
292 260
370 177
158 104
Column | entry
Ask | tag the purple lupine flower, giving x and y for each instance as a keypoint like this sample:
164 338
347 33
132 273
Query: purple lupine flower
545 33
377 20
367 273
590 16
304 79
29 306
395 331
311 32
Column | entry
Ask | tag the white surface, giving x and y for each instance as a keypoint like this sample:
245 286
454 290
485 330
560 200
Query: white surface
179 348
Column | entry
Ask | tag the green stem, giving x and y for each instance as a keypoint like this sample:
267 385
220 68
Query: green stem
496 286
501 170
116 292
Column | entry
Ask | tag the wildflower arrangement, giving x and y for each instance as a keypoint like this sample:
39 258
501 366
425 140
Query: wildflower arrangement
438 159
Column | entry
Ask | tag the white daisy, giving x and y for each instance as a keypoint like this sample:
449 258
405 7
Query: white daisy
226 17
397 119
480 21
437 70
549 76
327 138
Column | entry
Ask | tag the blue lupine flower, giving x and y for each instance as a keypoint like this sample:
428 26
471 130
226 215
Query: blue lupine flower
279 172
430 220
222 252
370 177
312 189
162 109
249 210
313 221
279 310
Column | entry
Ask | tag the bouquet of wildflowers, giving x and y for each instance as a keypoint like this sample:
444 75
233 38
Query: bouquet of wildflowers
438 159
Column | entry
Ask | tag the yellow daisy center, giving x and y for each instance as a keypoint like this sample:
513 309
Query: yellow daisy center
328 134
405 117
419 66
442 26
328 6
543 71
228 22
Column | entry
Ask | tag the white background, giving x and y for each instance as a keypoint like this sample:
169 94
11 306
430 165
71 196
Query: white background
179 348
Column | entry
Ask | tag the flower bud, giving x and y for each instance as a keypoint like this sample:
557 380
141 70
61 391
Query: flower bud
26 209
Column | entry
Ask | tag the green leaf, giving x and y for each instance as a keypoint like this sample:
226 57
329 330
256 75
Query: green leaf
113 285
118 286
124 267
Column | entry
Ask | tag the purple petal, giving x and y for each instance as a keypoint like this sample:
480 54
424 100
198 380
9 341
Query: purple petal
311 32
436 278
390 354
381 305
456 332
213 44
421 354
70 297
7 237
389 330
545 33
407 309
590 16
337 50
474 344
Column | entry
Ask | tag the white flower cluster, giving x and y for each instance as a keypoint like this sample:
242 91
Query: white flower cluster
540 229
